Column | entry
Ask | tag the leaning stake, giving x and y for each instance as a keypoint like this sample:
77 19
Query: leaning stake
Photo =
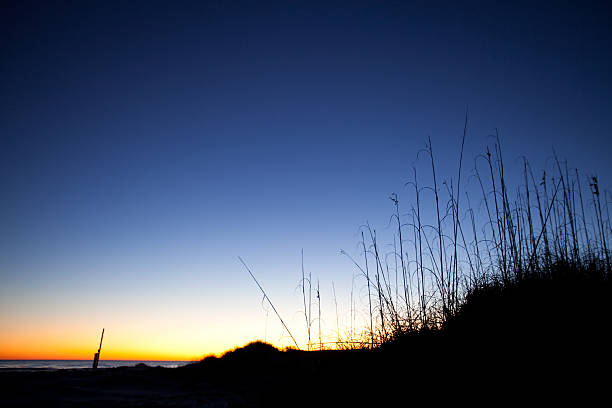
97 355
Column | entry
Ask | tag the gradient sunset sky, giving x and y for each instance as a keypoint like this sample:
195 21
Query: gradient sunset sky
146 145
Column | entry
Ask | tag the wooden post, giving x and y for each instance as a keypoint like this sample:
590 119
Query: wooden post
97 355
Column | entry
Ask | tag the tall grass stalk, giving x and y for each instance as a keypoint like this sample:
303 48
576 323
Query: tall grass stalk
270 302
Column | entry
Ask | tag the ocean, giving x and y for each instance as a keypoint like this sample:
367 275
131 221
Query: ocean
35 365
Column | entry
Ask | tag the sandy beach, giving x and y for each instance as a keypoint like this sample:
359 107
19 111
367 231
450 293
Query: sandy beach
125 387
259 375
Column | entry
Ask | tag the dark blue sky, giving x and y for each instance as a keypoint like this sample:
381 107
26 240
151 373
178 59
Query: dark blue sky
147 144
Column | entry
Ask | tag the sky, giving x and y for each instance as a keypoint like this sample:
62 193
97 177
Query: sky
144 146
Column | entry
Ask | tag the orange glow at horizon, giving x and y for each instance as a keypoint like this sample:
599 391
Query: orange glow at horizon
53 345
28 348
29 351
136 331
46 354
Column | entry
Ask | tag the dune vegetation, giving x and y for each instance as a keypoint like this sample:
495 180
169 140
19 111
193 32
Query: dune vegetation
522 259
526 261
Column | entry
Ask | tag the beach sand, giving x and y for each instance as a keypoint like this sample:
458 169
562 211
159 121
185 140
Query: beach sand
259 375
110 387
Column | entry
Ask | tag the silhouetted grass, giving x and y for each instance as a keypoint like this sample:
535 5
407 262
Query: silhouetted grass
533 258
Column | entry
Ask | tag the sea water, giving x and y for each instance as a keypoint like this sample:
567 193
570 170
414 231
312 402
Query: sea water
34 365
